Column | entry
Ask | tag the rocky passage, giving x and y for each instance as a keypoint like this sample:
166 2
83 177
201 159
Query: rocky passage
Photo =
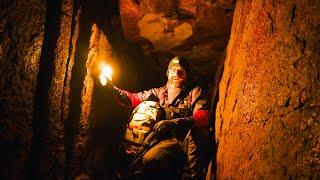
57 121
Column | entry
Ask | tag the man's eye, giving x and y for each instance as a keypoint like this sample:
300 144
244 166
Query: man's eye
180 72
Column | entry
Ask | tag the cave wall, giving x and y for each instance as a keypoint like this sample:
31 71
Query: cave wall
267 119
94 117
37 47
47 126
22 26
48 148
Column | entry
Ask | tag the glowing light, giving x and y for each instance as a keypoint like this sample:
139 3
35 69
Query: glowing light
105 74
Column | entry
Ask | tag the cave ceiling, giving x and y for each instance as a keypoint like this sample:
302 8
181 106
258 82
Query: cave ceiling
195 29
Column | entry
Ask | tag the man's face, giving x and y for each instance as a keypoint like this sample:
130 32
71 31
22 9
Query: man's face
176 76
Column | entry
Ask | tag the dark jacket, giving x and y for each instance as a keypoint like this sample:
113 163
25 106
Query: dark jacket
194 104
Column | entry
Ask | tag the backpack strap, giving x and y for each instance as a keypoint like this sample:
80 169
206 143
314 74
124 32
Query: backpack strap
183 94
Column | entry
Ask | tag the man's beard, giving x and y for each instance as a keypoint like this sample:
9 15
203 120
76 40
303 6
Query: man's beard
175 83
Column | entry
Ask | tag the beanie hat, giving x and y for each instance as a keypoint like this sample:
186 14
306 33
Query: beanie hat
179 61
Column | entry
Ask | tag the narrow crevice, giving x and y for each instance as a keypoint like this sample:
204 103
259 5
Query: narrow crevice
78 74
227 90
41 99
65 95
214 99
71 48
234 105
272 22
213 144
303 45
293 13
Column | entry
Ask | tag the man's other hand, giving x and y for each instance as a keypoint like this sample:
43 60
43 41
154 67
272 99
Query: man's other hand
163 127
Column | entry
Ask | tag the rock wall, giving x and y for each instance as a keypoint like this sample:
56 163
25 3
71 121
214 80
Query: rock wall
267 119
37 46
49 152
93 138
22 26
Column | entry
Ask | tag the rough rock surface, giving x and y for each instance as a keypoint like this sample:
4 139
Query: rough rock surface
195 29
267 119
20 49
49 138
84 143
35 68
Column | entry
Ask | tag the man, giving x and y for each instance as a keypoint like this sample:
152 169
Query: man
184 131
